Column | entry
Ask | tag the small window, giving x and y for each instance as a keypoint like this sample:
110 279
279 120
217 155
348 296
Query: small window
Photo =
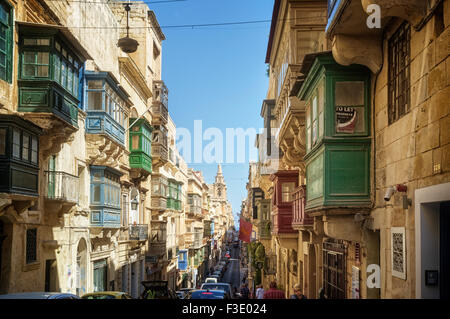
31 245
399 73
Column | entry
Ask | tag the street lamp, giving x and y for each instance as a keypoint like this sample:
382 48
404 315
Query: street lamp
134 204
127 44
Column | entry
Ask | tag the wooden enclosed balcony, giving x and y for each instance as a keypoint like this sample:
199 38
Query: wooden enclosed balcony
160 105
300 219
282 202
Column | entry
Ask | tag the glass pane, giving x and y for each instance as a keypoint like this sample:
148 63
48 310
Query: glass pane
57 46
28 41
57 68
95 85
95 101
43 42
135 142
25 146
42 57
349 93
29 57
286 190
42 70
16 143
97 193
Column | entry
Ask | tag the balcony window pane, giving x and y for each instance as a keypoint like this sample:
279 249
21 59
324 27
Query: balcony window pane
42 71
42 58
95 85
34 149
95 101
135 142
16 143
97 193
25 146
286 190
70 79
29 57
63 74
349 107
57 68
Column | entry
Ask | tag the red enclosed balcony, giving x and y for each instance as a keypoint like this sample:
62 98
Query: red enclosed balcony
300 219
285 182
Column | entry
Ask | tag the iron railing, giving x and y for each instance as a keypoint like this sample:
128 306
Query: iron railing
138 232
61 186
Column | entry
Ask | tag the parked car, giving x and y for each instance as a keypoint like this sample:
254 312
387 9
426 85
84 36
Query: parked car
208 294
158 289
219 286
217 273
211 279
180 294
107 295
39 295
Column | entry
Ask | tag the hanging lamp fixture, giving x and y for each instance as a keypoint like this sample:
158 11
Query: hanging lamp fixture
127 44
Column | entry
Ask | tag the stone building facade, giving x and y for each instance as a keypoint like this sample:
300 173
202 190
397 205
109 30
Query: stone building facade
374 220
93 190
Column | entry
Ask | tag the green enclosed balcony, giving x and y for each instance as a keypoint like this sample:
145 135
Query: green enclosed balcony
50 59
174 196
19 157
338 137
140 146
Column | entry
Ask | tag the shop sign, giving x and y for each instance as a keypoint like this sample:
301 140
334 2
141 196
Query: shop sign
345 119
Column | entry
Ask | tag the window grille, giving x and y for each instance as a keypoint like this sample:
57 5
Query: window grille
334 270
398 252
399 73
31 248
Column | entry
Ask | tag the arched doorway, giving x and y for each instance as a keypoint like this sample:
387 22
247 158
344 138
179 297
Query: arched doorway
81 267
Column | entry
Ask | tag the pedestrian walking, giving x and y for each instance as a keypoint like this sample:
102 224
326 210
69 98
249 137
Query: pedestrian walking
298 293
259 292
245 292
273 292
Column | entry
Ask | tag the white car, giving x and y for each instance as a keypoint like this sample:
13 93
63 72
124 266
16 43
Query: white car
211 280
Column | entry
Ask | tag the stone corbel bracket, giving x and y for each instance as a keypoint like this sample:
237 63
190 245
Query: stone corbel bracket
364 50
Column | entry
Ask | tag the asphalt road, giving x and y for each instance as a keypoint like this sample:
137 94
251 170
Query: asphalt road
232 274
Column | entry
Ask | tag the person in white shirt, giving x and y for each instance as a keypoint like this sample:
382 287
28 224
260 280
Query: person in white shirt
260 292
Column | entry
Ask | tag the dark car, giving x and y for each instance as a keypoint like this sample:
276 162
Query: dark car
39 295
207 294
158 290
219 286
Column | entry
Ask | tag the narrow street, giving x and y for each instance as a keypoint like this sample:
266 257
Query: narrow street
232 274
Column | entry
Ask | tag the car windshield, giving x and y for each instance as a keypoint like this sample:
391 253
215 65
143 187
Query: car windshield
206 295
225 288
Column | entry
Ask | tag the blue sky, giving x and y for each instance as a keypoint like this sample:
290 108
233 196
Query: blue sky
216 74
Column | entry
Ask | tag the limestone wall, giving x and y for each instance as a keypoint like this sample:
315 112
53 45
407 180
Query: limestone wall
414 150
